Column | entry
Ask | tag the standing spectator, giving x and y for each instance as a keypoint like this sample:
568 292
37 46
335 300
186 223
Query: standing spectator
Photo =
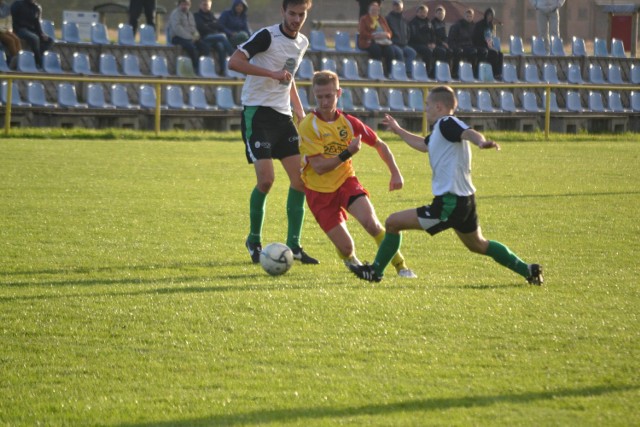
400 34
135 10
461 42
183 32
483 33
211 33
375 37
423 38
547 18
235 23
364 6
442 51
26 16
9 41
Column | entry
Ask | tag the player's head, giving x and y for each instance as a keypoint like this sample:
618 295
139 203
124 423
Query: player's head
326 89
294 13
441 102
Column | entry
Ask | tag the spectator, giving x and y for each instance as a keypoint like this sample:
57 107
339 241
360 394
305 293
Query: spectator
461 43
364 6
211 33
183 32
234 22
423 38
442 50
400 34
547 18
9 42
375 37
135 10
483 40
25 16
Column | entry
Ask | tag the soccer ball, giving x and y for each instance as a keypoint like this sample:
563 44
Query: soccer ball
276 259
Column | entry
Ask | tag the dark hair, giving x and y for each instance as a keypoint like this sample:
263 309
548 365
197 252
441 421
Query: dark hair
286 3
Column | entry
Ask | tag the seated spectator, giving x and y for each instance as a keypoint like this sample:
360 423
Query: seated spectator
183 32
400 34
423 38
364 7
9 42
483 41
442 50
25 16
461 43
135 10
375 37
211 33
234 22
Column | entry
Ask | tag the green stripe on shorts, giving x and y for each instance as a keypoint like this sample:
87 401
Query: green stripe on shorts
249 112
449 202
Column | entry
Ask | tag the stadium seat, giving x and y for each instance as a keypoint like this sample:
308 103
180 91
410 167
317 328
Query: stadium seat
225 100
4 67
51 62
530 102
147 35
553 103
16 99
485 72
614 75
372 101
207 68
99 34
484 103
416 100
635 74
343 42
464 101
550 73
131 65
305 70
95 96
600 47
81 63
345 102
67 96
159 67
375 70
125 35
509 73
515 46
578 47
466 72
531 73
595 102
317 41
617 48
184 67
537 46
232 74
36 95
574 74
497 43
70 32
595 74
350 69
443 73
108 65
49 28
419 71
120 97
175 98
615 102
399 71
304 98
635 101
507 102
26 62
328 64
198 99
396 100
147 96
557 46
574 103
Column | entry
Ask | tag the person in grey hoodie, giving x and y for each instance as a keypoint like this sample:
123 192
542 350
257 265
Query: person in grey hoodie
548 18
183 32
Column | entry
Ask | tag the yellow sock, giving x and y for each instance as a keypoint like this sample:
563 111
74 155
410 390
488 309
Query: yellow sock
398 260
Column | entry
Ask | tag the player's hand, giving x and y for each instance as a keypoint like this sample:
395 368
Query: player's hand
390 123
283 76
489 144
396 183
355 144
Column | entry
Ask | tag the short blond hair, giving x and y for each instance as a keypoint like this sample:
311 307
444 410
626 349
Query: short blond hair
325 77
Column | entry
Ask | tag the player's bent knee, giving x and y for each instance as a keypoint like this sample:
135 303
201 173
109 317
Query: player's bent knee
265 186
392 225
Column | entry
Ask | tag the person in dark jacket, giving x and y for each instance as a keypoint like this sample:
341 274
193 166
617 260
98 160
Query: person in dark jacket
442 51
401 33
136 7
483 41
423 38
461 43
212 34
25 17
234 22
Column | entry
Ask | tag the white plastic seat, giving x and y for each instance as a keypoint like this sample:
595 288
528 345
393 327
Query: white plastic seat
207 68
419 71
595 74
147 35
617 48
198 99
175 98
350 69
574 103
99 34
131 65
557 46
600 47
550 73
375 70
399 71
108 65
574 74
507 101
595 102
125 35
530 102
184 67
328 64
120 97
635 100
372 101
416 100
615 102
159 66
70 32
67 96
466 72
509 73
225 100
464 101
578 47
537 46
484 103
396 100
81 64
317 41
51 62
443 73
531 73
36 95
343 42
515 46
614 75
26 62
16 99
305 70
635 74
485 72
95 96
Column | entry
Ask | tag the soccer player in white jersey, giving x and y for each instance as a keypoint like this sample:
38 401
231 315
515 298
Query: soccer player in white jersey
270 59
328 139
454 203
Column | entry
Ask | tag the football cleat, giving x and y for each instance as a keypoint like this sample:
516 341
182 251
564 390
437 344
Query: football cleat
407 273
365 272
254 251
535 276
300 255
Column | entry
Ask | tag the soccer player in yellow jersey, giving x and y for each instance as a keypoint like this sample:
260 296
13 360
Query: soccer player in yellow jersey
328 139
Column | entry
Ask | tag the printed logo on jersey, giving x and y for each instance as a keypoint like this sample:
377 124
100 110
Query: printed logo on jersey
333 148
343 133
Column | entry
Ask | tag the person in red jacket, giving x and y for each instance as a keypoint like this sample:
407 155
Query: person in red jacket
375 37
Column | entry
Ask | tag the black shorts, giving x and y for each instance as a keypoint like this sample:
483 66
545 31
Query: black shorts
268 134
449 211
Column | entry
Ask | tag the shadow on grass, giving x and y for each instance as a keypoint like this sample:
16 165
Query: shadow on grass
278 416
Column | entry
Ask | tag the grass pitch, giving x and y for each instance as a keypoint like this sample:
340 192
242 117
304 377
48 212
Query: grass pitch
127 297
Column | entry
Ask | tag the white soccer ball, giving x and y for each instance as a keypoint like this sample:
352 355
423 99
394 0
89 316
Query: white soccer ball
276 259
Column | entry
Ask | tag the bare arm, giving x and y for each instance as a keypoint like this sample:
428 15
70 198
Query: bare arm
415 141
477 138
322 165
240 63
396 182
298 110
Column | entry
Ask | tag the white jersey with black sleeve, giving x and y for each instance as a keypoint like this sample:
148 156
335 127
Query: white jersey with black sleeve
450 158
271 48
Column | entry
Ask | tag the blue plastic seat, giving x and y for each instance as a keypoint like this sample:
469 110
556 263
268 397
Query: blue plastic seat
16 99
464 101
443 73
375 70
578 47
550 73
614 75
131 65
51 62
49 28
537 46
27 62
175 98
396 100
416 100
343 42
120 97
159 66
95 96
516 47
531 73
574 74
4 67
70 32
372 101
304 98
350 69
184 67
419 71
399 71
108 65
207 68
635 100
67 96
317 41
81 63
574 103
600 47
595 74
305 70
466 72
485 72
225 99
147 35
36 95
635 74
125 35
530 102
198 99
147 96
329 64
595 102
557 46
345 102
99 34
615 102
553 102
617 48
509 73
484 103
507 102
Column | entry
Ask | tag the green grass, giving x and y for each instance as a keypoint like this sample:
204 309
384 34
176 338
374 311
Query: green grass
127 297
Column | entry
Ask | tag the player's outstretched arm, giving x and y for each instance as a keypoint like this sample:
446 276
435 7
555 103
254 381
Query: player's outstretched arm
298 110
478 139
397 181
415 141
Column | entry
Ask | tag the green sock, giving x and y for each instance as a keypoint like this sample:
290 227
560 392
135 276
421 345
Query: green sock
387 250
295 216
502 255
257 203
